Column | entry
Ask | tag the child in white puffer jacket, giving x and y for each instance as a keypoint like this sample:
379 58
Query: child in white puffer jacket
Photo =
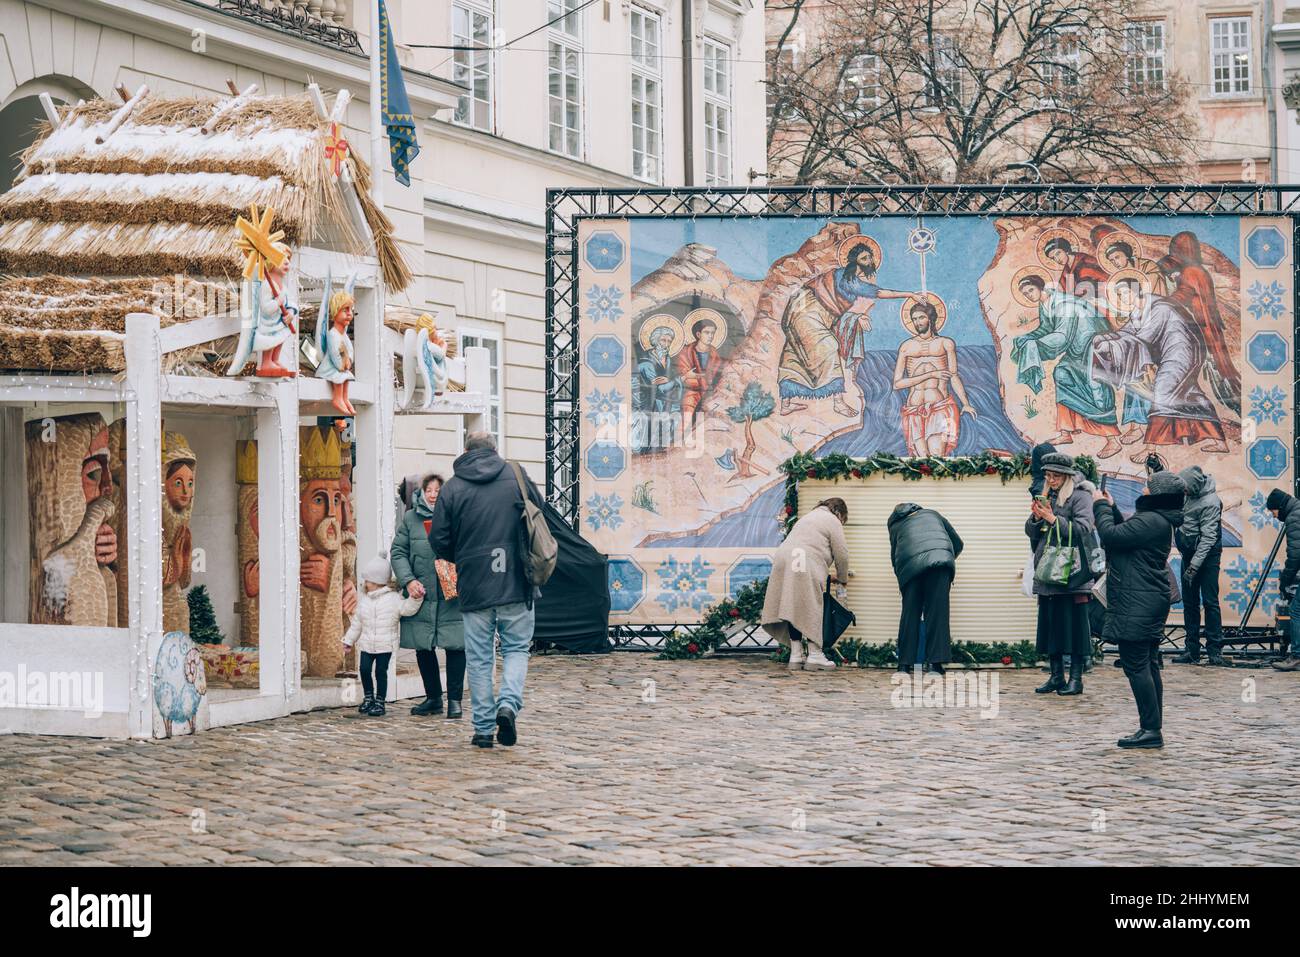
376 631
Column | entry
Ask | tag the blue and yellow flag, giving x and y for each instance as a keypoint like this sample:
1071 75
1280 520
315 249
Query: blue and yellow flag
395 107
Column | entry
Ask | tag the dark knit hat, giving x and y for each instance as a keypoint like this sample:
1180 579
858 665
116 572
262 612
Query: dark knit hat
1276 499
1166 483
1058 462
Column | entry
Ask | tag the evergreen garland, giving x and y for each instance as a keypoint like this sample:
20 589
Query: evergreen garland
203 620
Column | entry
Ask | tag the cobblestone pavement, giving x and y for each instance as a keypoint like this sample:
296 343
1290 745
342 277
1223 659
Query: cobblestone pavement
733 762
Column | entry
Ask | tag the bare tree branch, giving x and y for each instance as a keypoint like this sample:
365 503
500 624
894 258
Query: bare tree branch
960 89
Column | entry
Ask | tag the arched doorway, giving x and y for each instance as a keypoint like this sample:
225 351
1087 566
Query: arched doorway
21 116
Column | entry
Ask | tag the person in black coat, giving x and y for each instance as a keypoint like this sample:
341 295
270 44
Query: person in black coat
1137 592
923 548
477 525
1286 509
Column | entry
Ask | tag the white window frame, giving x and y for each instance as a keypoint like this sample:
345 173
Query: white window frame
1069 65
647 72
948 71
856 73
566 36
717 162
473 8
496 400
1231 54
1142 57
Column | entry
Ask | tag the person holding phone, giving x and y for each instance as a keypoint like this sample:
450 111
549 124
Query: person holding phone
1062 512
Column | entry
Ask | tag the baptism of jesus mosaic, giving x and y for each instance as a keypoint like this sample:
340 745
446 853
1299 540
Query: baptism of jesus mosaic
713 350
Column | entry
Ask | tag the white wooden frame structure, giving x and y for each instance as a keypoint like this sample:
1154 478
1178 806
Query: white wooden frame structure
122 657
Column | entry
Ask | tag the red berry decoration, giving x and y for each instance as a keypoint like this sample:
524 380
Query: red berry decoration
811 473
1006 659
991 470
926 470
693 648
789 510
734 613
857 473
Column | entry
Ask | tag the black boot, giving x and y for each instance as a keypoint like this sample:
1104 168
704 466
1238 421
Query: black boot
377 709
453 708
1192 654
1075 684
1214 656
366 703
1142 739
1056 676
428 706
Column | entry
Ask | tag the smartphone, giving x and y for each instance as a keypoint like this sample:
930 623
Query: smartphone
1103 484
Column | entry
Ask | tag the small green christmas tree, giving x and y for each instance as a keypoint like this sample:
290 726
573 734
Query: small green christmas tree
754 404
203 620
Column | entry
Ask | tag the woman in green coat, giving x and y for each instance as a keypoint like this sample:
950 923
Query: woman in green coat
438 622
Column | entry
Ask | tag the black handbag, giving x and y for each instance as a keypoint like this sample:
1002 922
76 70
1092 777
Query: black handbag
835 619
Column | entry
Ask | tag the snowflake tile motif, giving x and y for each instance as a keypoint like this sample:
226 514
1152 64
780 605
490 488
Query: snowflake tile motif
605 511
605 408
1266 300
626 585
606 303
1244 576
604 251
606 460
1261 517
1265 247
1267 352
684 584
605 355
1267 458
1267 405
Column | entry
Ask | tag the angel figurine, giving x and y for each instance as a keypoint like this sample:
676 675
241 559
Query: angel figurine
332 342
266 318
425 353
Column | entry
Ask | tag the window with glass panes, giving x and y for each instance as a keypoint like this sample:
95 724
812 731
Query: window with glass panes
564 78
491 341
861 85
1144 63
717 113
1061 67
950 83
471 26
1230 55
647 94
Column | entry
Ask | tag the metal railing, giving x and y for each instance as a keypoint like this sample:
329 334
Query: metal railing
322 21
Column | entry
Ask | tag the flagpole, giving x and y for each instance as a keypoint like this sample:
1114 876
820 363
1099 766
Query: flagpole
376 119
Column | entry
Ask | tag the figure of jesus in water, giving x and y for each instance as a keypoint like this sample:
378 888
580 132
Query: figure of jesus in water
926 367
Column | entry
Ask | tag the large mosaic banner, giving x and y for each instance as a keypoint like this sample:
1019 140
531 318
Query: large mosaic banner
714 349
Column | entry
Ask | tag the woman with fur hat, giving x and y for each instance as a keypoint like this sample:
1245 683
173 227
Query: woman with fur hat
1137 592
1063 510
376 631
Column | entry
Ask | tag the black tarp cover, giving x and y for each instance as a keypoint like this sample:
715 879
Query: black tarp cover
573 612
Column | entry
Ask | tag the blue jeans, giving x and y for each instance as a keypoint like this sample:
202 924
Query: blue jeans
514 623
1295 624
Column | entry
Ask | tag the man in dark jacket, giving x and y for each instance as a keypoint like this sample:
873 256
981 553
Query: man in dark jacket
1200 542
1137 592
923 548
478 525
1286 509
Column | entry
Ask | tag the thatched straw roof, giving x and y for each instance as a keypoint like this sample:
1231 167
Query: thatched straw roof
159 196
58 323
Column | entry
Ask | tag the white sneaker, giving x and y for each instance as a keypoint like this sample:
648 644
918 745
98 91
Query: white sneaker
796 656
817 661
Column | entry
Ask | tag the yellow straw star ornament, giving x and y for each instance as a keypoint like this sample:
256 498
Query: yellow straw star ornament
261 247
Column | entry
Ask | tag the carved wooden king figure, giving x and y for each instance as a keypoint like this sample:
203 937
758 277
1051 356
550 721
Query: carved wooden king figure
321 537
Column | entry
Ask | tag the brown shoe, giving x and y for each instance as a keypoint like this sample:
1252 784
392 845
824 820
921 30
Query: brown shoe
1289 663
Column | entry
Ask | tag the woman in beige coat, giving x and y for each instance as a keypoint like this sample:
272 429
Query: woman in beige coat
792 610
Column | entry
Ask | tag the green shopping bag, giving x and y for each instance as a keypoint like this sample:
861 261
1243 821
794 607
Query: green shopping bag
1057 562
